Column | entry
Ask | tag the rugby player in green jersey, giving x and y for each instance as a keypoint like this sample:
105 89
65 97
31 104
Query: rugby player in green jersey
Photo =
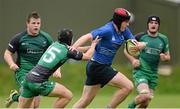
146 64
29 46
36 82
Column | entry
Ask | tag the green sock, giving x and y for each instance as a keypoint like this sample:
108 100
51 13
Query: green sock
15 97
132 105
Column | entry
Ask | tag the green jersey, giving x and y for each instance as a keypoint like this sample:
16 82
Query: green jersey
29 48
149 57
56 55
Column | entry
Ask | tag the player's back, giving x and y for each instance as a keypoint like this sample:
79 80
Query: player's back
56 53
54 56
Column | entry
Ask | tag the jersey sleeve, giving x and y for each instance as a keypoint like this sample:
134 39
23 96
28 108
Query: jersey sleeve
139 35
101 32
166 46
14 43
48 37
127 34
75 54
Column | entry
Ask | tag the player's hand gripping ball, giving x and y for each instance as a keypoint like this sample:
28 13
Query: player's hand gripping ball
130 45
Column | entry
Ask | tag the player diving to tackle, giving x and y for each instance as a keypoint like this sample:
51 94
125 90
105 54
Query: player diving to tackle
36 82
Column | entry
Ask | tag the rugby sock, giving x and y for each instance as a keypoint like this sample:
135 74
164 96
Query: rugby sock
15 97
132 105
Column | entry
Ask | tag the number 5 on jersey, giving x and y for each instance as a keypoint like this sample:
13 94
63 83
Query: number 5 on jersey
50 54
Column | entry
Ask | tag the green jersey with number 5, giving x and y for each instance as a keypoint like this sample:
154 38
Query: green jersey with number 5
56 55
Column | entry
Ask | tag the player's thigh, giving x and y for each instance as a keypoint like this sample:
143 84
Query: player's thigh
90 91
121 81
153 80
139 77
20 75
27 91
25 102
60 91
36 101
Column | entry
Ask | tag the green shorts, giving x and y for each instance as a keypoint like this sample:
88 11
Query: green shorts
141 76
35 89
20 75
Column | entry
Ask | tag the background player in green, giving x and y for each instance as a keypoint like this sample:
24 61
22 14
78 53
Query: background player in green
29 46
36 82
146 64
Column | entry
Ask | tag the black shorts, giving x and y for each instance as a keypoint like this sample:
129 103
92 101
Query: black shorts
99 73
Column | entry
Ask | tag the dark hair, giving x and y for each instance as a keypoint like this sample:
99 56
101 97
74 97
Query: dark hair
65 36
153 18
33 14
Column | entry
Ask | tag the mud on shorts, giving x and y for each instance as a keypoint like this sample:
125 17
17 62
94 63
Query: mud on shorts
99 73
31 89
141 76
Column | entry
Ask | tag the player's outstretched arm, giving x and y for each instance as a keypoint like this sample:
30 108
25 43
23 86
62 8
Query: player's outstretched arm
90 51
83 39
83 49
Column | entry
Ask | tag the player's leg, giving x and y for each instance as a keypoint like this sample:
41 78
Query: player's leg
64 95
25 102
89 92
152 85
13 96
29 92
143 97
36 101
124 85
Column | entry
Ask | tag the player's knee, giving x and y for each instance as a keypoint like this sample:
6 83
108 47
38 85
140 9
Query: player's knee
70 95
129 87
66 95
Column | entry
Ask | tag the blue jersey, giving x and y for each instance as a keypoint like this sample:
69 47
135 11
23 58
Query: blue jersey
110 42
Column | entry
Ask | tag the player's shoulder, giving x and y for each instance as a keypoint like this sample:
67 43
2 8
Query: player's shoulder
162 35
19 35
47 36
140 34
44 33
107 27
102 30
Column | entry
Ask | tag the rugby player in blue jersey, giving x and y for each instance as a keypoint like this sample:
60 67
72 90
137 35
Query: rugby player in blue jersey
99 71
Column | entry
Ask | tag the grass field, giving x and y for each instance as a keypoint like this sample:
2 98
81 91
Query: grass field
166 96
159 101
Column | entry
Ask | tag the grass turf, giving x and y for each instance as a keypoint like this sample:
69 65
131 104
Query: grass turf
159 101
